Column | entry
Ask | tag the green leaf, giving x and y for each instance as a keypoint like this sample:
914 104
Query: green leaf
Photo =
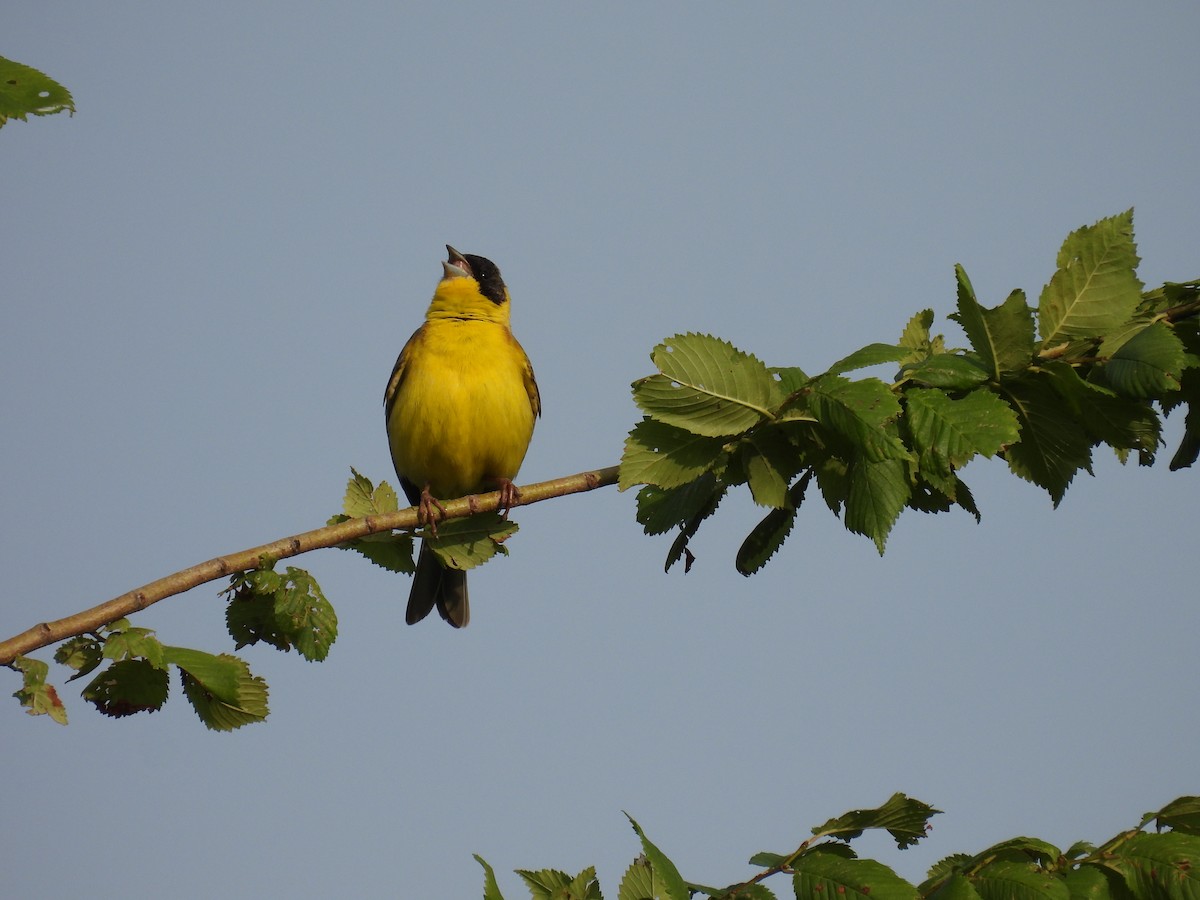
305 616
1160 866
1087 882
707 387
1095 289
947 433
870 355
218 712
364 499
661 509
858 411
1002 336
769 462
1117 421
879 491
491 890
470 542
82 653
38 697
1052 447
904 818
948 371
24 91
768 535
128 686
219 676
668 884
133 643
956 887
1149 364
667 456
824 874
915 338
638 881
1181 814
1008 879
1023 850
550 884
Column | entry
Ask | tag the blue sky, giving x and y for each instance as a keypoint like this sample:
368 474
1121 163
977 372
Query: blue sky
210 269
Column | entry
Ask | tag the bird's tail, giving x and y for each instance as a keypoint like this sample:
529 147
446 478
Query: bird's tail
435 585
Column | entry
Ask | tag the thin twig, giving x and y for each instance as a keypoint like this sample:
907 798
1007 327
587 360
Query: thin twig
89 620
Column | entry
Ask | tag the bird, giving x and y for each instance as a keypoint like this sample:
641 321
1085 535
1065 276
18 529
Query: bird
460 408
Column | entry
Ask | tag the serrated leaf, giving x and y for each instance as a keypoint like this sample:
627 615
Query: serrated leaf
1149 364
858 411
24 91
1121 423
668 884
389 550
219 676
956 887
768 536
833 478
661 509
743 891
915 337
871 355
38 697
1024 850
1003 336
128 686
707 386
1052 446
364 499
1181 814
943 868
491 890
878 493
249 701
1160 866
765 859
904 818
82 653
1095 288
470 542
667 456
766 475
638 881
550 884
823 874
134 643
1007 879
789 378
948 371
948 433
1088 882
304 616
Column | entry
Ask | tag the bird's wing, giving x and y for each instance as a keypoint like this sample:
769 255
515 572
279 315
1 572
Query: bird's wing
531 388
398 373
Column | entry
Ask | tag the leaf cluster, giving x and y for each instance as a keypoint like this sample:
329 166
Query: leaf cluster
221 688
1133 865
1096 362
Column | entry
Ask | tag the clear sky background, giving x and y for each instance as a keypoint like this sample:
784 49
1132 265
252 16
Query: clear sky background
209 271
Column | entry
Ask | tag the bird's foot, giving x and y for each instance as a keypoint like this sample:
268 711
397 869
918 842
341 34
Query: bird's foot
510 495
430 510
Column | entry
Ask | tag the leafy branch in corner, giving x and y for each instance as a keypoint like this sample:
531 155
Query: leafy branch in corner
1098 361
1133 865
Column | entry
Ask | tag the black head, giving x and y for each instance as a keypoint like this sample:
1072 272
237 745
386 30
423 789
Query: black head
484 271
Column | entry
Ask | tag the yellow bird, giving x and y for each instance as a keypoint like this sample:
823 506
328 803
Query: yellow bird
460 409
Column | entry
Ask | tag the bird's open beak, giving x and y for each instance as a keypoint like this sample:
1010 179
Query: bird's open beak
456 266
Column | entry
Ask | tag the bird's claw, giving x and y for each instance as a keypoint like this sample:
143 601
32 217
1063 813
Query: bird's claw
430 510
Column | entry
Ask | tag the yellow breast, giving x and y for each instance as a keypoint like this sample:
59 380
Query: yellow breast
462 415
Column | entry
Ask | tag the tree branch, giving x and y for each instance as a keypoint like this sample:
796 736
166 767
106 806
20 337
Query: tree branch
47 633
